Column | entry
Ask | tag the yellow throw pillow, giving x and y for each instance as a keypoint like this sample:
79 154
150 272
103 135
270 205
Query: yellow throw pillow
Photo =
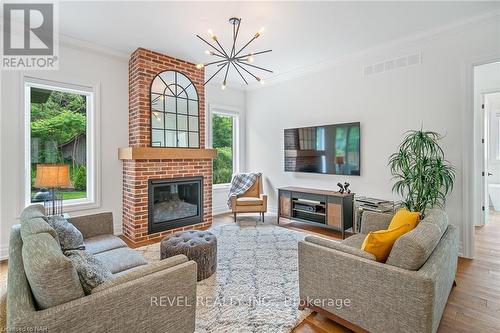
379 243
404 216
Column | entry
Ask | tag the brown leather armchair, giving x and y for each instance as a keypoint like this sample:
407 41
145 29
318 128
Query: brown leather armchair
252 201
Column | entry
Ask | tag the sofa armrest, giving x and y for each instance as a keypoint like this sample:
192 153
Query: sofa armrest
263 197
373 221
339 247
233 202
94 224
374 296
142 271
161 301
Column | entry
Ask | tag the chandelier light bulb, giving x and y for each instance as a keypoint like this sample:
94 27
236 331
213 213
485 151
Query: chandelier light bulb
262 82
238 57
211 33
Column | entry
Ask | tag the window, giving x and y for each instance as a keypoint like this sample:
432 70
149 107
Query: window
60 131
224 139
174 111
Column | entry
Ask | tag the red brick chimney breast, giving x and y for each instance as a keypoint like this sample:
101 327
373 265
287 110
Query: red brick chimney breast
144 65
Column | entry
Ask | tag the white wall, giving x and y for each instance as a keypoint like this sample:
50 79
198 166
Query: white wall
77 66
232 100
429 96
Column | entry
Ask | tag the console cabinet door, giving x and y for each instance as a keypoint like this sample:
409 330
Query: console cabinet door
334 213
285 204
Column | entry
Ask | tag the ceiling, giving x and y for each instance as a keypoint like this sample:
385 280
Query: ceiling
300 33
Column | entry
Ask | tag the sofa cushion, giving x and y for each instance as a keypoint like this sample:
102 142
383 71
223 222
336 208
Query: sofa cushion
33 221
340 247
141 271
103 243
355 240
92 271
52 278
249 201
33 211
121 259
438 217
70 238
93 224
413 249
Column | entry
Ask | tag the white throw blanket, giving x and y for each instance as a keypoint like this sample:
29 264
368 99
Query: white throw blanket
240 183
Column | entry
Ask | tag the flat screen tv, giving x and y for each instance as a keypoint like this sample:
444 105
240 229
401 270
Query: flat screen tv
329 149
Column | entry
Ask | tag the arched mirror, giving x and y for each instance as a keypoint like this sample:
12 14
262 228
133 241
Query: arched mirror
175 118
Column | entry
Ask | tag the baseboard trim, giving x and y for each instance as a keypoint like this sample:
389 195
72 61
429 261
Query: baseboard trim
4 252
118 228
218 210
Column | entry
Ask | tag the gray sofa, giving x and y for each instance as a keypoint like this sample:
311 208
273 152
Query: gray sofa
408 293
141 297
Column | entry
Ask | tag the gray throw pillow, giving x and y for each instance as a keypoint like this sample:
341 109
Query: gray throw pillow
70 238
91 271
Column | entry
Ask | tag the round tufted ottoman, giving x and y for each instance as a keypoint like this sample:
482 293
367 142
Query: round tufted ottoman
200 246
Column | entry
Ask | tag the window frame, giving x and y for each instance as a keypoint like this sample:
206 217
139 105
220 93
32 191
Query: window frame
92 200
235 114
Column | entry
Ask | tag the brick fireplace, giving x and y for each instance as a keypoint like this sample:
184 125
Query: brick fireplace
144 165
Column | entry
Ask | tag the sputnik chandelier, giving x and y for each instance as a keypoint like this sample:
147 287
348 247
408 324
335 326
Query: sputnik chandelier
240 62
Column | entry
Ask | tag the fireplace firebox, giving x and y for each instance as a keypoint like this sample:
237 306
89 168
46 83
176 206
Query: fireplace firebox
174 203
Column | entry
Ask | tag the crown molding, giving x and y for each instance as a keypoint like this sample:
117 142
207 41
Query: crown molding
78 44
298 72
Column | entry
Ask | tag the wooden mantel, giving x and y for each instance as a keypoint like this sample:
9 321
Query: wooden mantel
157 153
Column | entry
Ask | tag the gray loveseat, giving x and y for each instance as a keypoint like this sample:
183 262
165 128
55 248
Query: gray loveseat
408 293
141 297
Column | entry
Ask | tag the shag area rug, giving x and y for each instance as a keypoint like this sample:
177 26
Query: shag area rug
255 287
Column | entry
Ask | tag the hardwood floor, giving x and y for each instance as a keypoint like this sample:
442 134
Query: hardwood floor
473 305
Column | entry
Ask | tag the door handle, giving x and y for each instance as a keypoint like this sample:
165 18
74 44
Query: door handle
490 174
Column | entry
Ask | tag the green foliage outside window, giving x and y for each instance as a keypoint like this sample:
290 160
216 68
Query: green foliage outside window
58 129
222 135
80 179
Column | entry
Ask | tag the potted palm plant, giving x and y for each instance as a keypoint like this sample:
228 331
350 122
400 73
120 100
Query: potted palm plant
423 176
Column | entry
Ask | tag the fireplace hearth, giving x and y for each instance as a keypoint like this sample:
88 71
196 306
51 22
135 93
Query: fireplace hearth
174 203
